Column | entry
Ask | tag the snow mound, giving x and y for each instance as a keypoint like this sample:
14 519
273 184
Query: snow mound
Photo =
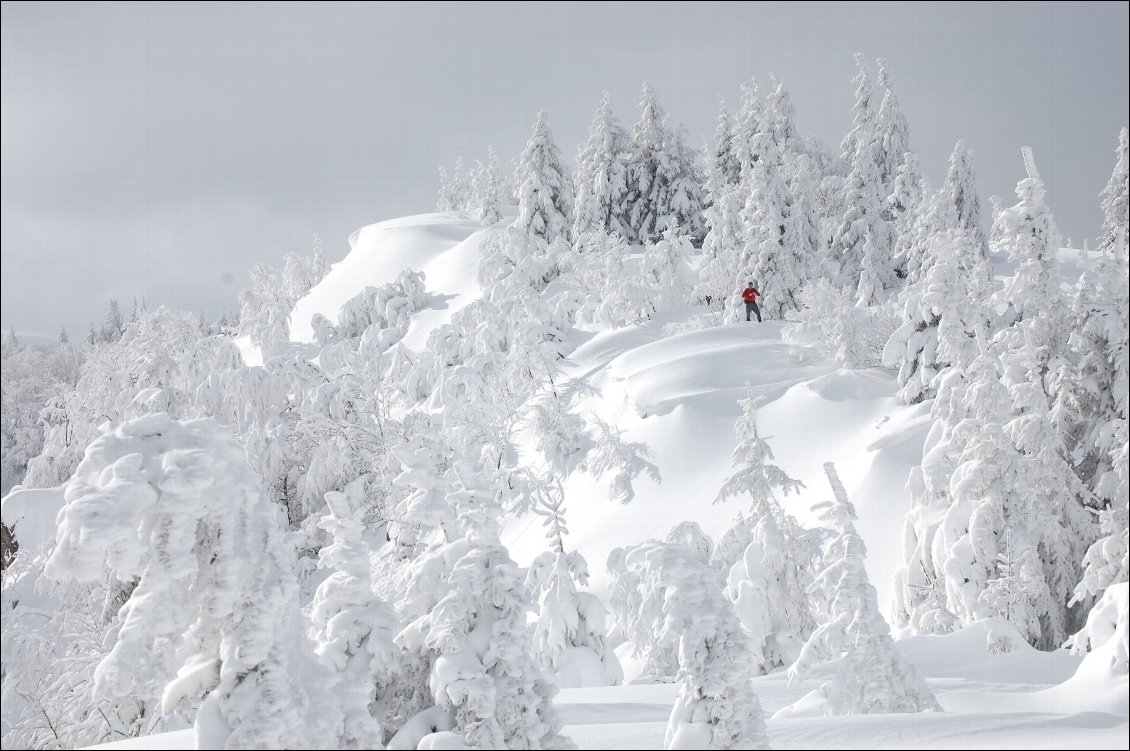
445 246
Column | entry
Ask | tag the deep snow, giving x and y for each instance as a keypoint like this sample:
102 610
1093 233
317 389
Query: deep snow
678 394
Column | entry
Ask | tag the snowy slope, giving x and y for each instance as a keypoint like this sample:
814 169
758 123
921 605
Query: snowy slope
445 246
678 393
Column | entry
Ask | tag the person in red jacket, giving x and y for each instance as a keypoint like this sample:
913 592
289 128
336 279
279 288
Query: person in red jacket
750 295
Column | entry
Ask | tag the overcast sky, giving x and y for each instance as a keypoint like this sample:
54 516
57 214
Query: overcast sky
159 150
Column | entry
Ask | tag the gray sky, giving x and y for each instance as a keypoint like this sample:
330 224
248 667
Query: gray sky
160 150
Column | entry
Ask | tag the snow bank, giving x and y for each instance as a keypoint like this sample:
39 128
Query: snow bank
445 246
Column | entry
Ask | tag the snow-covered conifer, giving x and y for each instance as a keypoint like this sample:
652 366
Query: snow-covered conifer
626 459
472 628
601 178
490 193
872 676
715 706
353 627
545 189
445 201
961 190
772 567
1116 199
667 275
892 133
863 117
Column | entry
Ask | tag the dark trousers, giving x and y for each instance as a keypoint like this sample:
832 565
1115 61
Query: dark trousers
752 307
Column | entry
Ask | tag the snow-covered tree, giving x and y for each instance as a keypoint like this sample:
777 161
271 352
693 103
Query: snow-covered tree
213 617
863 217
115 324
1116 198
35 380
354 628
872 676
764 258
755 476
664 179
446 199
773 563
715 706
903 207
545 189
667 275
751 120
460 191
265 311
947 302
863 115
486 689
569 638
490 193
723 167
781 122
601 177
831 321
1091 413
1018 590
625 459
892 133
961 190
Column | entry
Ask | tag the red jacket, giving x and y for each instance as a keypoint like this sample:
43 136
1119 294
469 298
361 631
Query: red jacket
750 295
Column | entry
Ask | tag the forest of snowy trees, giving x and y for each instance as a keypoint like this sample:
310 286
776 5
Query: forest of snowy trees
309 552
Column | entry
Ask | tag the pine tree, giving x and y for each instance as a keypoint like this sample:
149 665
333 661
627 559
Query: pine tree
872 676
764 258
545 190
446 200
892 132
961 188
723 165
1116 199
725 235
862 115
460 186
353 627
601 179
903 207
1091 409
472 628
946 305
490 194
781 117
715 706
863 217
